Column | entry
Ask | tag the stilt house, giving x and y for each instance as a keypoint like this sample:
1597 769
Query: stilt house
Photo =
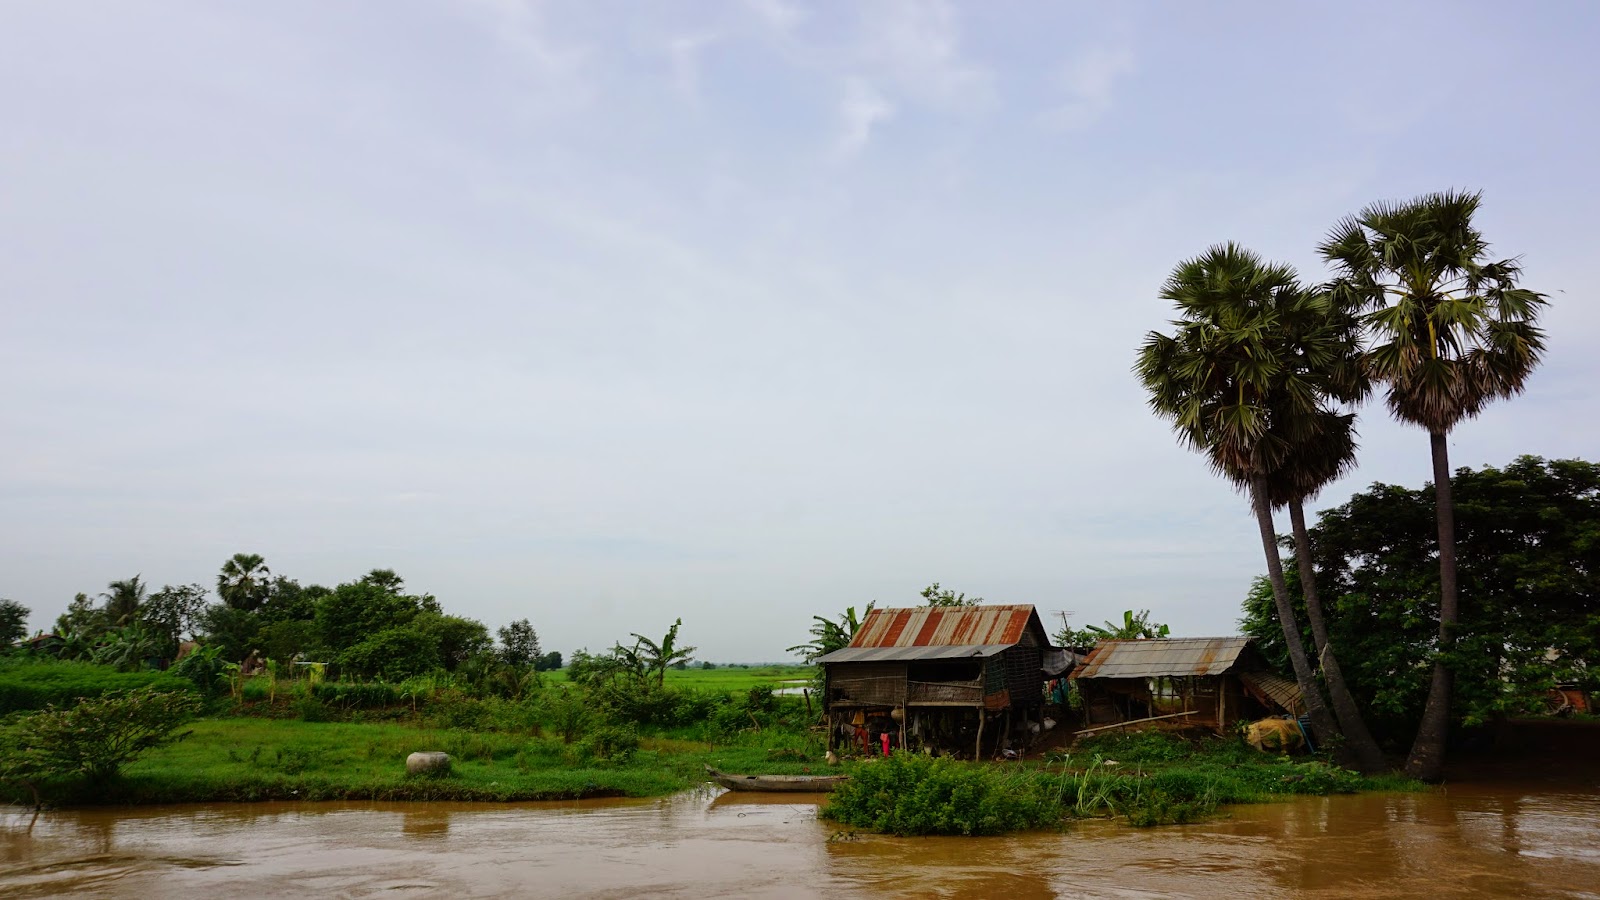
1215 682
935 676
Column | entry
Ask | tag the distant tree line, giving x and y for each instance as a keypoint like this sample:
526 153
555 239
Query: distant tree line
371 627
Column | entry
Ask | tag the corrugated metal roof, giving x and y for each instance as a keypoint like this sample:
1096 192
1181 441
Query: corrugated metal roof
1164 657
944 626
902 654
1277 688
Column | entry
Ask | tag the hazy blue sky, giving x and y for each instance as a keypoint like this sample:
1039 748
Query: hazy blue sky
607 313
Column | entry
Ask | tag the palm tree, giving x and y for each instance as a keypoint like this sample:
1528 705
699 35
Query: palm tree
828 635
243 582
1308 467
658 658
123 599
1451 332
1242 387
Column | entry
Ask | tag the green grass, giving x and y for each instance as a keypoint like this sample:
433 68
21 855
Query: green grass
724 679
249 759
1142 778
28 683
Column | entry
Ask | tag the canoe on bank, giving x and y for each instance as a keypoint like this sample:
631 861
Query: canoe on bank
814 784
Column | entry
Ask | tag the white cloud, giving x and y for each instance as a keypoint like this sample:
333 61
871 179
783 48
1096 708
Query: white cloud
684 52
917 43
521 26
862 108
777 14
1088 83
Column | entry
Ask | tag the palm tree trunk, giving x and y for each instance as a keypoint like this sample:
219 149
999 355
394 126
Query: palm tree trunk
1321 720
1367 755
1427 751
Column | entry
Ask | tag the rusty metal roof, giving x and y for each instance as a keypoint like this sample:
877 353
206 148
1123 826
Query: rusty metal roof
1278 689
1165 657
903 654
946 626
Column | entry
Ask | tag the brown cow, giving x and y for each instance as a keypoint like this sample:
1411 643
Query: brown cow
1267 735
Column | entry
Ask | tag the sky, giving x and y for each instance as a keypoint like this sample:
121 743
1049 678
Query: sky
604 314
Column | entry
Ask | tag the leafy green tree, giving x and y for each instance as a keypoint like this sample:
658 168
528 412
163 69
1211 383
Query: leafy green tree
1453 332
287 601
83 621
457 638
585 668
95 737
1529 539
519 644
353 612
393 654
287 639
828 635
1241 385
123 599
934 595
385 579
230 628
173 614
549 662
13 622
244 582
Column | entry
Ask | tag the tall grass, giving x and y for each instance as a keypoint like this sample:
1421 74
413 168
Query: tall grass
33 682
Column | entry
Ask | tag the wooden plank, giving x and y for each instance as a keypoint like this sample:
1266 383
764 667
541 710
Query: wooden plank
1133 722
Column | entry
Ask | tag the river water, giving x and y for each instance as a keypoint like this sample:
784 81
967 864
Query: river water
1499 839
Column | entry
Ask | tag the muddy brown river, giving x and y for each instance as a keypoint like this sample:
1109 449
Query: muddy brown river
1500 839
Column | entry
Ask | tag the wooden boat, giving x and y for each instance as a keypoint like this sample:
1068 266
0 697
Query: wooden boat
796 784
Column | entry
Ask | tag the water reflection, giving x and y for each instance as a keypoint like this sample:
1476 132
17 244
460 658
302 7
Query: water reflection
1507 840
426 822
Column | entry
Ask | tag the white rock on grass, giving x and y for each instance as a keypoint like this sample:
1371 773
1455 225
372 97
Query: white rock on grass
428 763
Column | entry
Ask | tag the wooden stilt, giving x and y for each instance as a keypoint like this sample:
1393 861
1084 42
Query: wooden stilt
977 752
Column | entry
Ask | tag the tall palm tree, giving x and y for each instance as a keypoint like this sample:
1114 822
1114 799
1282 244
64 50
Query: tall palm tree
1451 332
123 599
1308 467
1239 390
243 582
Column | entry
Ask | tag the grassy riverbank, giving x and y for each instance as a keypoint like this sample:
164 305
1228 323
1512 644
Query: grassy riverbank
1150 778
249 759
1144 779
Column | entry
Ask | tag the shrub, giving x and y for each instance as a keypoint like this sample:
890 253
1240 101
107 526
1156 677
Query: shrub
1137 747
610 743
761 699
1320 778
97 737
567 713
910 794
205 669
310 709
453 710
356 695
394 654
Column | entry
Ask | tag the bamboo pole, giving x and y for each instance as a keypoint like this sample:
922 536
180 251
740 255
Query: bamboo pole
1132 722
